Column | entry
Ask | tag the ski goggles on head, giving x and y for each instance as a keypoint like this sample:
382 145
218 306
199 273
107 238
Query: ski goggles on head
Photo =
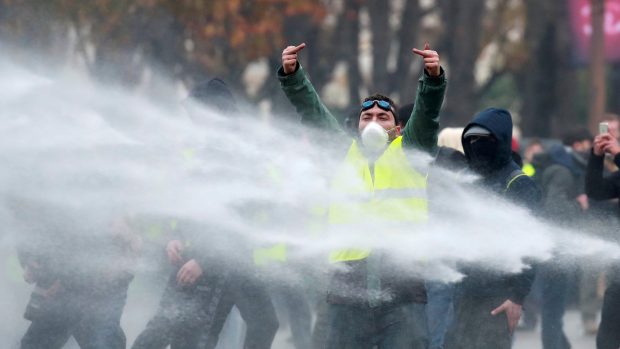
385 105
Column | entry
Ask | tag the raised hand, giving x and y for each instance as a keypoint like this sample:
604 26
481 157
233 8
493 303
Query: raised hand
431 60
289 58
606 143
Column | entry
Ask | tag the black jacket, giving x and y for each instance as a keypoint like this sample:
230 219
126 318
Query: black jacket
599 187
562 180
521 190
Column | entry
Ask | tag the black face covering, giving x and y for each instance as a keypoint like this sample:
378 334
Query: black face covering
482 153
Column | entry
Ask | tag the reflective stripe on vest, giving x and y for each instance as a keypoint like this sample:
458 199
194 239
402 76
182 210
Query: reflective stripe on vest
397 193
265 215
267 255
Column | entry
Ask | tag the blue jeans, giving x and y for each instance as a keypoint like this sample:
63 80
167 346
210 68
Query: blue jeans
439 311
385 326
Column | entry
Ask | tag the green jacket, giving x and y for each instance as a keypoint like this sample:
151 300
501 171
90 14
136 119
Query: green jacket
419 133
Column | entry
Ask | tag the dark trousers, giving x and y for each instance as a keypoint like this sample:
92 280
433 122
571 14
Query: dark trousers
292 299
474 327
609 331
184 314
254 303
384 327
93 319
555 284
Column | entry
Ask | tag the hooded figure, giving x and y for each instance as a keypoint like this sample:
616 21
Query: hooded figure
488 306
487 142
215 94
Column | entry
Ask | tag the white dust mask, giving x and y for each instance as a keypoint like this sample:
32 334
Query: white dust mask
374 137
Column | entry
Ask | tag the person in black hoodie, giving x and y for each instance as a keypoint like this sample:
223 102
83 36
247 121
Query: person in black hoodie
599 187
488 306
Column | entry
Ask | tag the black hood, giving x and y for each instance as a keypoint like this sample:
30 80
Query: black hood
499 123
214 94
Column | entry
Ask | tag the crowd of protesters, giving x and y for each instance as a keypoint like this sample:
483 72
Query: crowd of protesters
364 303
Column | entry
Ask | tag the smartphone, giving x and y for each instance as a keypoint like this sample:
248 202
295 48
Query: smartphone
603 128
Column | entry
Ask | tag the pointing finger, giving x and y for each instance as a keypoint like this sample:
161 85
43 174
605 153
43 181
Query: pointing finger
418 52
497 310
425 53
427 46
295 49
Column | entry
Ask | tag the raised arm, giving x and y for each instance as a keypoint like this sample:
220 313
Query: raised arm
302 95
423 127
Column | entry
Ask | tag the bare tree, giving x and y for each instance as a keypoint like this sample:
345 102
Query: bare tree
403 81
547 79
461 46
381 39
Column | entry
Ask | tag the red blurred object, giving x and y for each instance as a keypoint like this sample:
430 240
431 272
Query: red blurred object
581 18
515 146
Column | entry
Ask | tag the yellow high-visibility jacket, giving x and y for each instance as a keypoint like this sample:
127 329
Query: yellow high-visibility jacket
396 192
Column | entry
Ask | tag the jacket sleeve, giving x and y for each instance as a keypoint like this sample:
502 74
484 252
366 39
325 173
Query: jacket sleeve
423 126
525 192
300 92
597 186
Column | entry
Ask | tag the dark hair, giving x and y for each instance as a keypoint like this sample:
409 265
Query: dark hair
534 141
380 97
576 135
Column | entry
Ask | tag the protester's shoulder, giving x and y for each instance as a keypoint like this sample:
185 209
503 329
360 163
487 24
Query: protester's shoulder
524 187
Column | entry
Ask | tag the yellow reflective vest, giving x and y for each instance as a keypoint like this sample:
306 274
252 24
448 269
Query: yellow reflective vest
529 170
395 193
276 253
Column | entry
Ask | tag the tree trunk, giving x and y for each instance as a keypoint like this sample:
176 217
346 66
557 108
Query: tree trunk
461 42
566 80
404 82
381 36
547 80
597 66
350 46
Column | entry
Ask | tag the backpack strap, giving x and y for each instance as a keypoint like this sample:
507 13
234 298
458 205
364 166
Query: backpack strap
514 175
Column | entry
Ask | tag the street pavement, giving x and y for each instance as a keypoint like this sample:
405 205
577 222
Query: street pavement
572 327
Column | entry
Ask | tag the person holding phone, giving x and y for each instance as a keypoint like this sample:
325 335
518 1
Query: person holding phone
599 187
